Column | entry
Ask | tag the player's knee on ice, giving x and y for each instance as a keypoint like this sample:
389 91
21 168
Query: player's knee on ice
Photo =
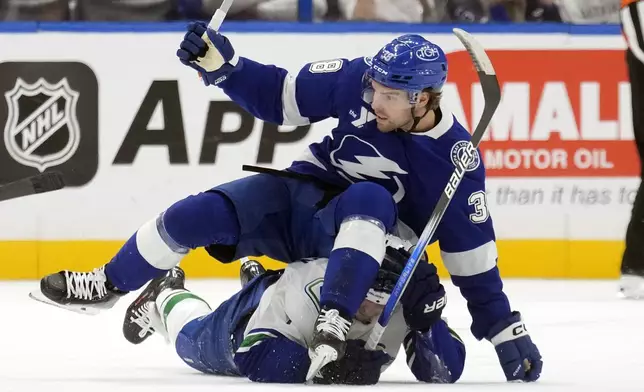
367 199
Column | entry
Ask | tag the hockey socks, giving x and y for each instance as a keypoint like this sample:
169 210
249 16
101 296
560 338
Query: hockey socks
177 308
358 251
162 242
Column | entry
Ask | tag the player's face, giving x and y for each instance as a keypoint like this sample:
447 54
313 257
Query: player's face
392 108
369 312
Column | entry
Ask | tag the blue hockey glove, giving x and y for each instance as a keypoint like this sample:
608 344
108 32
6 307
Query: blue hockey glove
358 366
519 357
424 298
211 55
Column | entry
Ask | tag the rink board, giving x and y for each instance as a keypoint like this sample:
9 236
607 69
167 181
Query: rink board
517 258
140 132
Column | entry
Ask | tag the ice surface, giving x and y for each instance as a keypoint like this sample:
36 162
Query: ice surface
590 341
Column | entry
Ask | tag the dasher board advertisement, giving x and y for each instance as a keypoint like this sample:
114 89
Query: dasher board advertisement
133 130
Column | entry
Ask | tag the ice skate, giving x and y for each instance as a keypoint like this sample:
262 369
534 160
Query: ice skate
249 269
142 319
631 285
329 340
82 292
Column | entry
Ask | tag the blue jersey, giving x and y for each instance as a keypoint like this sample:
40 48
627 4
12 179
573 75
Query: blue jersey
414 167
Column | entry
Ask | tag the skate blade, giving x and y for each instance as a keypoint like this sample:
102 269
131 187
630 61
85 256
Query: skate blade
82 309
324 355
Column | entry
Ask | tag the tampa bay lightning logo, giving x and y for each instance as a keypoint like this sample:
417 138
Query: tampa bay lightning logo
358 160
458 150
428 53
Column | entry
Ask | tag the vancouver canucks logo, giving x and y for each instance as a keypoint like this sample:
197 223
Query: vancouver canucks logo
42 128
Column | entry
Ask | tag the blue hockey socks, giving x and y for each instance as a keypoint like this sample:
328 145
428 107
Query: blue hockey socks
162 242
366 212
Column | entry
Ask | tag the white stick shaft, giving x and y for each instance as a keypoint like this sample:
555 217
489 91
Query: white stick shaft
220 15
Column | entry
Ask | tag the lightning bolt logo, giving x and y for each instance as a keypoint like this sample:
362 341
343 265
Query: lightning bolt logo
368 166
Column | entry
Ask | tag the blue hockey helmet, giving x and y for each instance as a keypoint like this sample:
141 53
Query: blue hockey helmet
410 63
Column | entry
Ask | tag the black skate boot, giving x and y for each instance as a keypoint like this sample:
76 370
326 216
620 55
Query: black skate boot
329 339
142 318
248 270
82 292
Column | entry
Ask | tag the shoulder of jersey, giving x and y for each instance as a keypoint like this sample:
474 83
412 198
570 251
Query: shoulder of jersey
458 140
340 66
451 144
346 76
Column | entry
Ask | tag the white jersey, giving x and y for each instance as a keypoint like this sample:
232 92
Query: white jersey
292 304
589 11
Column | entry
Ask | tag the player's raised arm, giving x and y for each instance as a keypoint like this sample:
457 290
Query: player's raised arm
268 92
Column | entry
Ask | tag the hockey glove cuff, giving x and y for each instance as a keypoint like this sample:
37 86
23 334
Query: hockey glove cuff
519 357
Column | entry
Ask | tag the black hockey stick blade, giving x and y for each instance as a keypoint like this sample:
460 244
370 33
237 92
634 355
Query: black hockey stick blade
41 183
488 79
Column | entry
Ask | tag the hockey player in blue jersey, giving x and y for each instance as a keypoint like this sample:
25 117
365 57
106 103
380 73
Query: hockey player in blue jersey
261 331
389 158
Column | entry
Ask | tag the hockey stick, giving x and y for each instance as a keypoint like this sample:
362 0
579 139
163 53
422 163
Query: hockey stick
219 16
214 24
41 183
492 96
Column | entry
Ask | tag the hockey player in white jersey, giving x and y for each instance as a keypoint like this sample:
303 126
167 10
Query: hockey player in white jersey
263 332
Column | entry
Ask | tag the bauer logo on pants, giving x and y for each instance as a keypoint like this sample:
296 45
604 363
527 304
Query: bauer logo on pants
50 120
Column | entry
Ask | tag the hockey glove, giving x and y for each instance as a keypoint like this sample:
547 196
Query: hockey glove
519 357
212 56
424 298
358 366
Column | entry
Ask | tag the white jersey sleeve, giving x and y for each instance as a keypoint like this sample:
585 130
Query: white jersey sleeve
291 306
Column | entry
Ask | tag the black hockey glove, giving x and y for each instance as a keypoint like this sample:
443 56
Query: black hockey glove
423 300
359 366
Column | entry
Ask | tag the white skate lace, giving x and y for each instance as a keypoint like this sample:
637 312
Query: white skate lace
141 317
331 322
86 285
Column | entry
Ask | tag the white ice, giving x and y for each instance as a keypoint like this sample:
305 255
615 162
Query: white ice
589 339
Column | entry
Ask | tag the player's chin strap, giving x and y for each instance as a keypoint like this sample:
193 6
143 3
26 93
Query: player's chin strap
416 119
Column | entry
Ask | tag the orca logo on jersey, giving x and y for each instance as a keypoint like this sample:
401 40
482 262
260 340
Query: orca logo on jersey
358 160
459 152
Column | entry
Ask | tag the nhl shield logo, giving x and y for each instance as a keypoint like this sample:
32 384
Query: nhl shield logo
42 127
